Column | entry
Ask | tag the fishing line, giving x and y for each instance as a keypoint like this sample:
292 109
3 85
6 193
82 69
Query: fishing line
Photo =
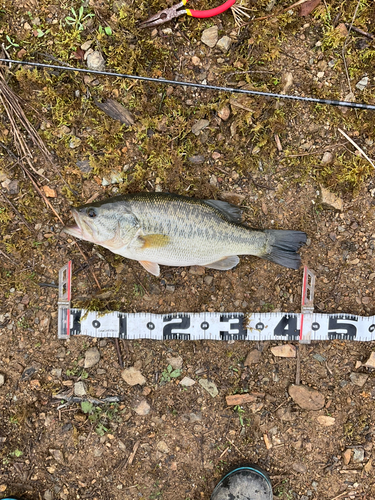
329 102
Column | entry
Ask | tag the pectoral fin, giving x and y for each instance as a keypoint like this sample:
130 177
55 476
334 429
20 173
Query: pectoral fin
224 264
154 240
151 267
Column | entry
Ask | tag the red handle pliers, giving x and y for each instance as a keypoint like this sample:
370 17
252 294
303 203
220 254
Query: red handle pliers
167 14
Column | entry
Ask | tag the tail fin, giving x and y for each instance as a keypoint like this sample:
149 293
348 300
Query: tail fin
284 245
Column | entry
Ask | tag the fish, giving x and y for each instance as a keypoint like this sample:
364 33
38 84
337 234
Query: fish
172 230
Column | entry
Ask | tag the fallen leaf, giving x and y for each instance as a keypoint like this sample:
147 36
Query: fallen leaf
116 111
308 7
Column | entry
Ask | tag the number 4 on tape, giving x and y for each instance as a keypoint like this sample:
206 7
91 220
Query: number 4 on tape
303 327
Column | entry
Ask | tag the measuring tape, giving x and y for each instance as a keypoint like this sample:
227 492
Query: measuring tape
303 327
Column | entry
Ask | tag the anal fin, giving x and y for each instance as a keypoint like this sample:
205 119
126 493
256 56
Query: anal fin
151 267
224 264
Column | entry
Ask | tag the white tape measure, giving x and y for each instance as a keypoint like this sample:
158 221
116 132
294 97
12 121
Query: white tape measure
303 327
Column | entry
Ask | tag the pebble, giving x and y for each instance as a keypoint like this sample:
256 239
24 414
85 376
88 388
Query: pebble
13 187
224 44
209 386
84 166
358 379
170 288
330 199
187 382
362 84
61 352
306 397
95 61
370 363
197 270
210 36
142 408
326 421
162 446
80 389
132 376
196 159
358 455
284 351
253 357
199 126
74 142
92 357
48 495
176 362
346 456
2 379
86 45
327 158
195 60
208 280
224 113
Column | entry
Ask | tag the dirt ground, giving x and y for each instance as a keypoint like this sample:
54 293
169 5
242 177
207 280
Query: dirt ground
61 434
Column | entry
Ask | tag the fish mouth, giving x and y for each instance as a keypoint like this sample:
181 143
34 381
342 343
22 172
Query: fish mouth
75 230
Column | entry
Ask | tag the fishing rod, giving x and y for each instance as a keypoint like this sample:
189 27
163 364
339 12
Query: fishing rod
345 104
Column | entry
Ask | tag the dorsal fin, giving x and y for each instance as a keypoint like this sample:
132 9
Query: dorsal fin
231 212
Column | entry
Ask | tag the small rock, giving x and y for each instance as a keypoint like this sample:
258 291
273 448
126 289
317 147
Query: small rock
196 159
86 45
284 351
208 280
56 372
253 357
210 36
61 352
48 495
162 446
84 166
224 113
142 408
170 288
80 389
370 363
96 61
13 187
358 379
74 142
331 199
199 126
132 376
209 386
358 455
58 456
187 382
342 29
327 158
362 84
2 379
49 192
234 198
285 414
224 44
176 363
213 180
306 398
326 421
286 82
300 468
195 60
92 357
197 270
346 456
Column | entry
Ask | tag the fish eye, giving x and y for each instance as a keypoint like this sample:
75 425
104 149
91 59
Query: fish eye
91 212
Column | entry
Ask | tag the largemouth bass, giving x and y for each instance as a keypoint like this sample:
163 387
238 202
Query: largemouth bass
172 230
